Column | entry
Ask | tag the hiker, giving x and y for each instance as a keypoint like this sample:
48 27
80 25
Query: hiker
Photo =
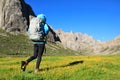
39 43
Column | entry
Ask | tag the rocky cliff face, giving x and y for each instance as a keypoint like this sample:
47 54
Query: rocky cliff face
111 47
86 44
78 41
15 15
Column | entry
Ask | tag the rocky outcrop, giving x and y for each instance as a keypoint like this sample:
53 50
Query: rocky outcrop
85 43
111 47
77 41
15 15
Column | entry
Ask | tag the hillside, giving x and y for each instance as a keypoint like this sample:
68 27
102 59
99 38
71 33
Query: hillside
111 47
86 45
19 44
78 41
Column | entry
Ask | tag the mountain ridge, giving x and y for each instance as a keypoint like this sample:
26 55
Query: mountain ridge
78 41
15 16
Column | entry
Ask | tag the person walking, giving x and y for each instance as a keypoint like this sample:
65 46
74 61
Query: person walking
39 44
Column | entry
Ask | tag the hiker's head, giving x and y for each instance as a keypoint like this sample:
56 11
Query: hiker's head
42 18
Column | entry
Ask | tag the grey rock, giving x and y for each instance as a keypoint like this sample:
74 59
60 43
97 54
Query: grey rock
15 15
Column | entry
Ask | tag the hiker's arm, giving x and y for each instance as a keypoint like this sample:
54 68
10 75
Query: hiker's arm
50 29
56 37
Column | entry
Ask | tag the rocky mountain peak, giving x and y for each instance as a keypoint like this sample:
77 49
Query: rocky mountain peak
77 41
15 15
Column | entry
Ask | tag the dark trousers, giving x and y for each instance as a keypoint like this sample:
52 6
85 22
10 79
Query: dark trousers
38 52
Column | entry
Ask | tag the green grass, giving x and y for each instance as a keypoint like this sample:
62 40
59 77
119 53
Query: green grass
56 64
14 44
20 45
63 68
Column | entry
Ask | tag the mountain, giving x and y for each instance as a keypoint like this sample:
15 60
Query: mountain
86 45
77 41
111 47
15 16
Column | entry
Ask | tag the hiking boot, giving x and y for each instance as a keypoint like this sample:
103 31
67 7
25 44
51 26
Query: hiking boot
23 65
36 71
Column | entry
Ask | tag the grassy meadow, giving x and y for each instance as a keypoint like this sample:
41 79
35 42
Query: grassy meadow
63 68
58 63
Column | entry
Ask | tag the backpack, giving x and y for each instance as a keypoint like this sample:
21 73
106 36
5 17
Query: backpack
36 30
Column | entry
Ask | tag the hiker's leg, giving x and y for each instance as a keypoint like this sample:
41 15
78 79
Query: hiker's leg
35 54
40 53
